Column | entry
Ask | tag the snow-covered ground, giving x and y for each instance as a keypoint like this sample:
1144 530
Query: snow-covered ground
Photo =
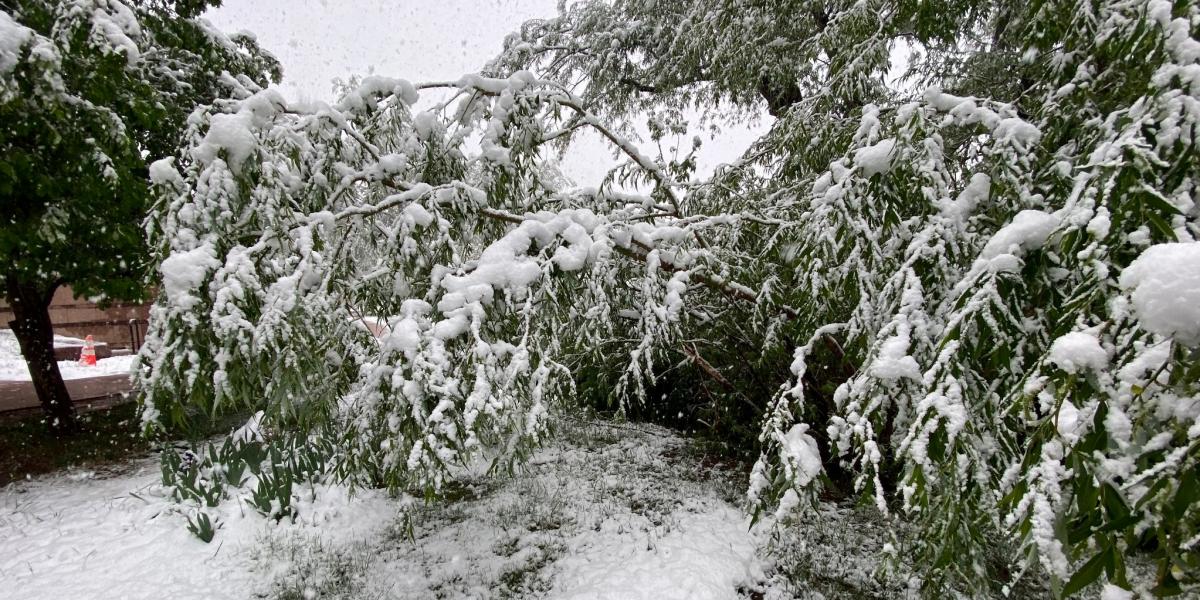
97 535
604 512
13 367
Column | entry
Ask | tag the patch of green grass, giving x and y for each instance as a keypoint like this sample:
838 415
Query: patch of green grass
534 508
317 571
531 577
595 437
107 436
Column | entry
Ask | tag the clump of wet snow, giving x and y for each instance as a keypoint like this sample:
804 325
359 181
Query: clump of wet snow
1165 285
184 271
1027 231
963 206
1112 592
893 361
876 158
1077 352
1018 132
801 453
12 37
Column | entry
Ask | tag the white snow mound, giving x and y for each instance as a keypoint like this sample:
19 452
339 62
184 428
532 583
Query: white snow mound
1028 230
876 158
1165 281
1077 352
800 451
893 361
183 272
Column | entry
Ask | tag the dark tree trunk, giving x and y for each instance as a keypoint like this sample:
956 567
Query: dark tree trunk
780 95
35 334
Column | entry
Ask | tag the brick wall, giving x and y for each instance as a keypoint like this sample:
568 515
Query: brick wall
76 317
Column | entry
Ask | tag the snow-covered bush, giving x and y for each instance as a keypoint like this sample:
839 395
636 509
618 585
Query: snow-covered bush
975 293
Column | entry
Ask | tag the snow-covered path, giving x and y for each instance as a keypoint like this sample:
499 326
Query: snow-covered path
604 512
708 553
601 513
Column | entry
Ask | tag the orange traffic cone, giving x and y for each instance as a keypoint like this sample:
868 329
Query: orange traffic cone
87 356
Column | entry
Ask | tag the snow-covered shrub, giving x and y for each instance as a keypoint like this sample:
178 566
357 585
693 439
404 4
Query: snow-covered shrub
339 267
975 293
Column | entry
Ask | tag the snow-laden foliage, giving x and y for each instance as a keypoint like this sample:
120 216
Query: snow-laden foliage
974 291
412 302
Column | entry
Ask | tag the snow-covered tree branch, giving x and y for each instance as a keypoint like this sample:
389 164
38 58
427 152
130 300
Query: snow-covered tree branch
969 299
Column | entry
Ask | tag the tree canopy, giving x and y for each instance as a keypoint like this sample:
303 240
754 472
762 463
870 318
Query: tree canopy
89 89
965 295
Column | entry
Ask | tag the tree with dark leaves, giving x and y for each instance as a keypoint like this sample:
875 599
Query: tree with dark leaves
90 90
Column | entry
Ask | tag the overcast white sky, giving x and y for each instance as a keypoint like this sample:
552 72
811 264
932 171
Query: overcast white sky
322 40
319 41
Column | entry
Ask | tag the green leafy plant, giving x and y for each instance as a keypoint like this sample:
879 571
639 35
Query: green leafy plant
202 526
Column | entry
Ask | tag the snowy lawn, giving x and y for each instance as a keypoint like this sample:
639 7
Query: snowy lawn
603 511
